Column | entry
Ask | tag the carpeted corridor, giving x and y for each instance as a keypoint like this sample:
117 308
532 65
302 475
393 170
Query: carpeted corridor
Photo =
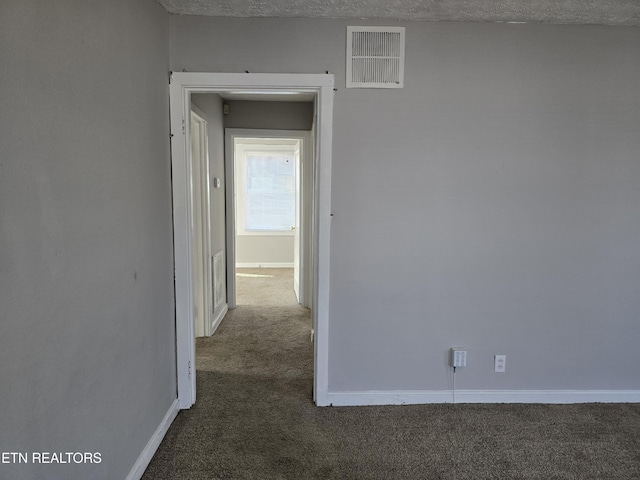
254 418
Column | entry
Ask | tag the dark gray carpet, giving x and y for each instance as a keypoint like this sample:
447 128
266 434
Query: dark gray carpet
254 419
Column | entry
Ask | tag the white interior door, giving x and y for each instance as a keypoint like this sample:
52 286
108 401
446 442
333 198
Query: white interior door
201 225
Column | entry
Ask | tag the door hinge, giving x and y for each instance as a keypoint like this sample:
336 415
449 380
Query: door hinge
184 127
189 369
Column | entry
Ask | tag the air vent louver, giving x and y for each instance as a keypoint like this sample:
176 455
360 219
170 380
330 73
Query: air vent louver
375 57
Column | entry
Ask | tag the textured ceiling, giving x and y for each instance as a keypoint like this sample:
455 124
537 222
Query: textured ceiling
602 12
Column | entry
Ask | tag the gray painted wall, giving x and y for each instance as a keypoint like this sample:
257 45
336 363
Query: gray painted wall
211 106
87 342
492 203
264 249
270 115
252 249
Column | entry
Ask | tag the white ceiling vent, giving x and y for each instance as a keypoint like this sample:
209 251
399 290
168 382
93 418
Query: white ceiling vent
375 57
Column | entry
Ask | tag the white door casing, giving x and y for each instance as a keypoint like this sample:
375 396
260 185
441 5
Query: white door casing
297 271
182 85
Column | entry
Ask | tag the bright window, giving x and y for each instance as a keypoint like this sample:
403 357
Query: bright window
270 192
266 188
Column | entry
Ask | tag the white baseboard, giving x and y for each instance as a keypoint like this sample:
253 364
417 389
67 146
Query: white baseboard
412 397
218 318
154 442
264 265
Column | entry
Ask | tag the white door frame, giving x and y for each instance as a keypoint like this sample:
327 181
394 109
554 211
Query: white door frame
305 204
182 85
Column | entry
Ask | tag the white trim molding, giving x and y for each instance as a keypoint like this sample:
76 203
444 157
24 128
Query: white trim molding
182 85
415 397
154 442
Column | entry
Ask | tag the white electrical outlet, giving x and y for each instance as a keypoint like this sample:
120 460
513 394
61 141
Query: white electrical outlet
500 363
458 357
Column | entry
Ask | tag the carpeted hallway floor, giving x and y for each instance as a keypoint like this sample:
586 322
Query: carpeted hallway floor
254 419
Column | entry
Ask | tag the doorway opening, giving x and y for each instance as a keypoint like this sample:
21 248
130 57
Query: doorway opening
183 85
271 208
